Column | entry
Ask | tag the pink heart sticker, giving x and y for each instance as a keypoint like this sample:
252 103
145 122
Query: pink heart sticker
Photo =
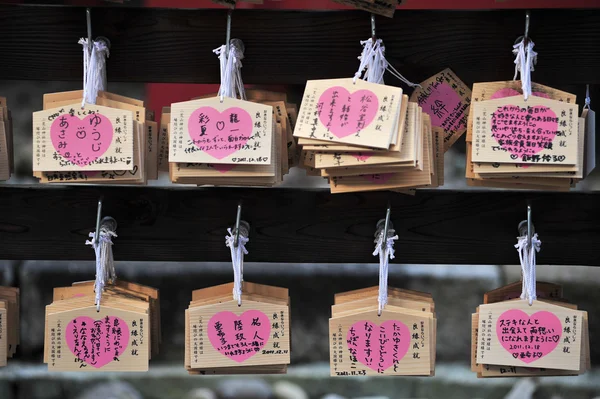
223 168
81 141
378 347
239 337
343 113
524 131
97 342
360 156
528 338
508 92
441 104
379 178
220 134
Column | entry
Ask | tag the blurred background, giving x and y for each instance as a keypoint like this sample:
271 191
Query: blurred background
457 290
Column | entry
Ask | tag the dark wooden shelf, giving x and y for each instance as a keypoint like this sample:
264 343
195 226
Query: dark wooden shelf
294 226
289 47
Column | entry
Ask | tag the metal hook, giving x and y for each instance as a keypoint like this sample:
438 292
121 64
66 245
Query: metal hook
386 226
236 230
527 17
228 34
88 17
98 217
526 227
373 33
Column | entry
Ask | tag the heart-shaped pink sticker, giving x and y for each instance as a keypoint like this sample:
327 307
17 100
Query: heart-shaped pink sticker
220 134
528 338
97 342
379 178
360 156
223 168
239 337
508 92
81 141
378 347
343 113
524 131
441 105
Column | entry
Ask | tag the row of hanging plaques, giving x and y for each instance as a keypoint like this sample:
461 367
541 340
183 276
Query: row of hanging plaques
522 329
359 133
115 141
510 338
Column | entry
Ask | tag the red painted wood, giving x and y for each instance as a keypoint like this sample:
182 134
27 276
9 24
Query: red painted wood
326 5
407 4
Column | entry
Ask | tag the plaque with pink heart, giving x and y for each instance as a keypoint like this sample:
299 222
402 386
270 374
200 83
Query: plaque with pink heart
350 112
95 138
528 338
239 337
378 346
229 132
96 343
537 131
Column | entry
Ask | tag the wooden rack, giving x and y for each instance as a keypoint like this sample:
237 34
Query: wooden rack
288 47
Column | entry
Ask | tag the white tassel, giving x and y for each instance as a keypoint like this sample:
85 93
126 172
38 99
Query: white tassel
94 70
528 266
231 75
373 64
524 64
105 264
237 260
385 252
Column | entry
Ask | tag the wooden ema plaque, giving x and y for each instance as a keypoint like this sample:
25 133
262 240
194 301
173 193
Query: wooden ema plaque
224 338
222 132
550 294
69 138
10 305
145 143
446 99
6 140
347 112
283 151
127 328
400 341
82 339
381 7
518 175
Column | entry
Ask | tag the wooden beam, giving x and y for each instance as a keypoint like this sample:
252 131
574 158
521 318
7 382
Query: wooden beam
288 47
293 226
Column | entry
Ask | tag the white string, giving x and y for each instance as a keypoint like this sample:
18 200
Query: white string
105 264
237 259
587 98
525 59
231 75
373 64
384 255
528 266
94 70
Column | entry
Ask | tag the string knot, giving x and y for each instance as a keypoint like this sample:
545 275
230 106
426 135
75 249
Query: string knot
94 69
525 59
373 64
237 260
385 252
527 257
231 65
105 265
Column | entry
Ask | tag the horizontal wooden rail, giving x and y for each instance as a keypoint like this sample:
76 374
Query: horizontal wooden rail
289 47
294 226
